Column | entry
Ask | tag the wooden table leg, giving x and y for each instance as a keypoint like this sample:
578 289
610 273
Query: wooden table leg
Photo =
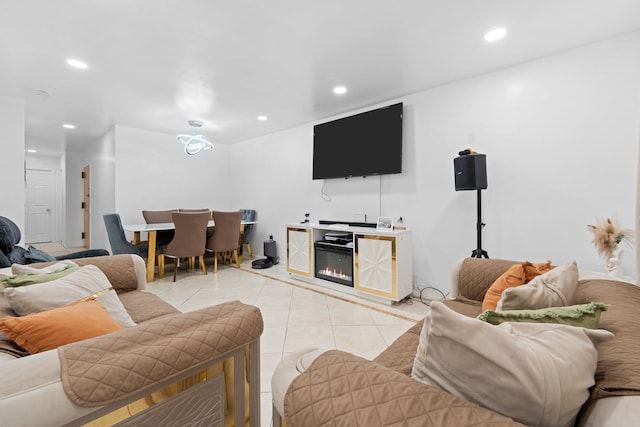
240 244
151 257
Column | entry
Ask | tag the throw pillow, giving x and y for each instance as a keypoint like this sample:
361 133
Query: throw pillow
538 374
83 283
514 276
554 288
34 254
533 270
50 329
33 278
53 268
583 315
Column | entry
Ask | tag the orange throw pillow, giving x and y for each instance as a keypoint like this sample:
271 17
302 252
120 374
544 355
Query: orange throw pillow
53 328
514 276
534 270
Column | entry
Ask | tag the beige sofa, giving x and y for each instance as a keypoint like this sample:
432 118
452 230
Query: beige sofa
309 385
206 361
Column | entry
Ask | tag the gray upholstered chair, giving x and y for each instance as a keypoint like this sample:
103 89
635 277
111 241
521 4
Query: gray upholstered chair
117 239
189 241
11 253
248 215
226 236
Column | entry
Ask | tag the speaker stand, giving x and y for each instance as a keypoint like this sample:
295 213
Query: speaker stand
479 252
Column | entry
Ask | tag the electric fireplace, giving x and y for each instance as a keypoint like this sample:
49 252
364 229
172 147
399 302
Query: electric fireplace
334 262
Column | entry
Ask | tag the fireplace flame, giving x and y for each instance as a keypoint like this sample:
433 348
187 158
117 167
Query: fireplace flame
334 273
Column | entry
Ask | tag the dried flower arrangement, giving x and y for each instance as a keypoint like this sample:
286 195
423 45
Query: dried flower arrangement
607 235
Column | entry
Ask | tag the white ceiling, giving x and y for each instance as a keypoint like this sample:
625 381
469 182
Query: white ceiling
155 64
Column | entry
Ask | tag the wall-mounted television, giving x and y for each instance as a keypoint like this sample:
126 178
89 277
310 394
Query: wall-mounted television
368 143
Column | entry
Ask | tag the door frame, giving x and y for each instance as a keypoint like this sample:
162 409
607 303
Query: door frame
58 208
86 206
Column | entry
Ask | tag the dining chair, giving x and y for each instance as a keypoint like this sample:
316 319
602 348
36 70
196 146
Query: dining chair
163 237
189 240
248 215
195 210
226 236
117 239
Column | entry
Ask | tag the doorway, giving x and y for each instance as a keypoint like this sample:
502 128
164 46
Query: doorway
40 204
86 206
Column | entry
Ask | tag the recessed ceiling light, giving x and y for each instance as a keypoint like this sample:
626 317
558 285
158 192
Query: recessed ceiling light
263 118
339 90
76 63
31 150
68 126
495 34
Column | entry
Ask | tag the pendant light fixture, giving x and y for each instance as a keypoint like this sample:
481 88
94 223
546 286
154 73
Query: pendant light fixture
194 144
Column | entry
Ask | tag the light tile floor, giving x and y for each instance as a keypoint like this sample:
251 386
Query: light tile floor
296 314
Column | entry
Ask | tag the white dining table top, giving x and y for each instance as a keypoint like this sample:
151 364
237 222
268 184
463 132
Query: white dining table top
167 226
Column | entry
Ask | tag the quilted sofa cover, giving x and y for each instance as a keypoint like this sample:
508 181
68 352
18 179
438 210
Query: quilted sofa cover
341 389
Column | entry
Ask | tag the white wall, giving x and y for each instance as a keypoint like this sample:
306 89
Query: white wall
75 161
103 192
12 169
561 138
152 172
99 156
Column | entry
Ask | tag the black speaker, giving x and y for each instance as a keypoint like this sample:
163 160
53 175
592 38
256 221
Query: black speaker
470 172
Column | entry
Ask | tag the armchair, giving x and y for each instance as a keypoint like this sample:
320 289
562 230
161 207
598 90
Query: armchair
11 253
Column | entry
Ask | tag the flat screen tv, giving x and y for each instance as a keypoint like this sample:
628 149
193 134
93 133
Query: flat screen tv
368 143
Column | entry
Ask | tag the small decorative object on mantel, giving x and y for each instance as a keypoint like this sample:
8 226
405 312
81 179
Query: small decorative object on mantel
607 236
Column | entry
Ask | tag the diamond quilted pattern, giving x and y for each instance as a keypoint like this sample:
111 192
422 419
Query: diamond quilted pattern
618 370
119 269
477 275
340 389
400 354
106 369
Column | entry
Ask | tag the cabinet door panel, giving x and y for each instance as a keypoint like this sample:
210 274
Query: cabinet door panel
299 252
376 265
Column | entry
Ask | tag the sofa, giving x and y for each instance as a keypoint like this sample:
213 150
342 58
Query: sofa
163 368
12 253
330 387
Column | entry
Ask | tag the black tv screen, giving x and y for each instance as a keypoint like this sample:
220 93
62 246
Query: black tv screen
368 143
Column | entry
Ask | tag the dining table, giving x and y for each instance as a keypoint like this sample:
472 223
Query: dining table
152 231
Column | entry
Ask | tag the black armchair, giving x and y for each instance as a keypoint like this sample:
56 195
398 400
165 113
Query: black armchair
11 253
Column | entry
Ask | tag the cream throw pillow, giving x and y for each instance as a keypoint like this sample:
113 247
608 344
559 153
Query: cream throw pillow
83 283
537 374
555 288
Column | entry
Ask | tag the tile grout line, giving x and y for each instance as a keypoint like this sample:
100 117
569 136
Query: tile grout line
319 291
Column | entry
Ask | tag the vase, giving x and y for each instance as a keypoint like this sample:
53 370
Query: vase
612 267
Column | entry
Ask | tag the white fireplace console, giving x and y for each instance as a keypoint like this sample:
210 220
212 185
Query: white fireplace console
382 260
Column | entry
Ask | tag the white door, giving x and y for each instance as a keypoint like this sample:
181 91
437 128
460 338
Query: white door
40 200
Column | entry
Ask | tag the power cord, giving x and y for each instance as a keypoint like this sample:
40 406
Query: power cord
324 195
427 301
